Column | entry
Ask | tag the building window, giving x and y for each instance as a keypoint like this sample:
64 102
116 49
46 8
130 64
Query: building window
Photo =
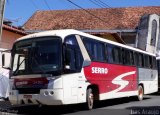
154 32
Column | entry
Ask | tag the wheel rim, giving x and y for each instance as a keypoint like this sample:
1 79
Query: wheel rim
90 100
140 93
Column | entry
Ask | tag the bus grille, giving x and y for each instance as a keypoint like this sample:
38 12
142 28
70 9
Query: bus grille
28 90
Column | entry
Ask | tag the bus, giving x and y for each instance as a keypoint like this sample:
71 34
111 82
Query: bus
158 68
61 67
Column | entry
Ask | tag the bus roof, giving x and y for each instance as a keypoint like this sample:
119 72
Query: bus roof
65 32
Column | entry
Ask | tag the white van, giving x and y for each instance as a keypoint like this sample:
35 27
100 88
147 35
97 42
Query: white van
4 76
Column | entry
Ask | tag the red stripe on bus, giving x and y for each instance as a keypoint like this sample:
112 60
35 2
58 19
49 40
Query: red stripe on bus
102 75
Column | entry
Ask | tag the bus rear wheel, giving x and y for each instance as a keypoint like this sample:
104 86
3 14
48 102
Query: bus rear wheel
90 99
140 93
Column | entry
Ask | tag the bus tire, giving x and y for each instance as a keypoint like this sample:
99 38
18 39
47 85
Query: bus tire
89 99
140 92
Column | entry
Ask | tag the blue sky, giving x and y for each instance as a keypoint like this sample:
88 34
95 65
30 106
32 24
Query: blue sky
19 11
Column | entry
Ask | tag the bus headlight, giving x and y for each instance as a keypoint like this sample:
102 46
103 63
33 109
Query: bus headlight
51 93
46 93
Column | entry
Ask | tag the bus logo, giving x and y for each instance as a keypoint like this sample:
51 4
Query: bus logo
99 70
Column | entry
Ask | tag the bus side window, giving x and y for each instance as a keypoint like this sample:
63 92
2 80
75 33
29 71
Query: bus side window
122 56
126 60
110 54
126 57
132 58
154 63
150 62
70 59
146 61
100 51
78 59
95 48
136 58
129 57
106 53
73 56
89 47
140 60
116 55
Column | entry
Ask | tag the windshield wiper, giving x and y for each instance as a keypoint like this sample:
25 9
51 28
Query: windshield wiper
16 71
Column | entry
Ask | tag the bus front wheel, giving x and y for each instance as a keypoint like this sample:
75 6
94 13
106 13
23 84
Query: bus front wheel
140 93
90 99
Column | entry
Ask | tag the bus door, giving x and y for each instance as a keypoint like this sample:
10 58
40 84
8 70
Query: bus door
73 64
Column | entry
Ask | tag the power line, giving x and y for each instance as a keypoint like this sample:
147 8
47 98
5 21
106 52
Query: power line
95 3
7 1
47 4
34 4
103 3
87 11
100 3
116 12
48 7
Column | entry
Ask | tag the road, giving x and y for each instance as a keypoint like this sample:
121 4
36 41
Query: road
123 106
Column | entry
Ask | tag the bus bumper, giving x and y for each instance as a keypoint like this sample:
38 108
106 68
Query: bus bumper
46 97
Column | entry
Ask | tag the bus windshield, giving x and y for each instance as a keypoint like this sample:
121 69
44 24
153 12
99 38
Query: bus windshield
37 56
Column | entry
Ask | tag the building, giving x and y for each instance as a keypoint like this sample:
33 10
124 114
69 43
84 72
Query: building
10 34
121 22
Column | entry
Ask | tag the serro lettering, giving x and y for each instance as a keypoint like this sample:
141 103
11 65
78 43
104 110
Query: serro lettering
99 70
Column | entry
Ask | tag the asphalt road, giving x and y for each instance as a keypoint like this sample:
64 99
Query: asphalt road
123 106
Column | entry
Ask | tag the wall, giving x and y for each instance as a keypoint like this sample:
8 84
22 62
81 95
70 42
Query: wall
8 38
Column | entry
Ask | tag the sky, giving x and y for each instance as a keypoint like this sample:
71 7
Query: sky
19 11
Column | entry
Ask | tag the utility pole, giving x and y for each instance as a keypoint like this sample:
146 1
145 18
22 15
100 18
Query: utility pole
2 6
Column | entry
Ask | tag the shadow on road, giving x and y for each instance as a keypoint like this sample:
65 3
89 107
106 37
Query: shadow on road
57 110
117 101
156 94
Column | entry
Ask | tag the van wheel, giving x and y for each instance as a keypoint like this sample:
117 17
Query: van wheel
90 99
140 93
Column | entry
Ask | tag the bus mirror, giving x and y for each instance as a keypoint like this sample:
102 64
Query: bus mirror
6 60
3 60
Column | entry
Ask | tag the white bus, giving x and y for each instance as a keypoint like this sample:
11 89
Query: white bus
62 67
158 67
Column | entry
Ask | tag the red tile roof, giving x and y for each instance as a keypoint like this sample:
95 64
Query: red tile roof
113 18
14 29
